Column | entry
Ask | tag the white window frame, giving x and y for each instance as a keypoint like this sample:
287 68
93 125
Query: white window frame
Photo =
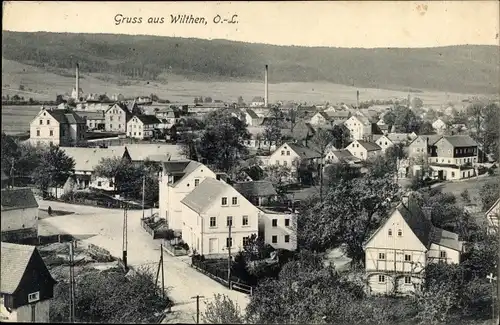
409 258
244 218
224 198
381 278
34 297
214 219
407 279
381 256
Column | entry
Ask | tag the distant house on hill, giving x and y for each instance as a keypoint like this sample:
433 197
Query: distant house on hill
257 102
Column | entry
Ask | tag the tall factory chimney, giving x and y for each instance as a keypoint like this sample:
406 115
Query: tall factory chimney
266 92
77 82
357 98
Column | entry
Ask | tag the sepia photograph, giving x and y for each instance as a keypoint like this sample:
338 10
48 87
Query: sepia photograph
284 162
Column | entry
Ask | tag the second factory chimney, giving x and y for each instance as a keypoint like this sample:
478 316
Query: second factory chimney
77 82
266 99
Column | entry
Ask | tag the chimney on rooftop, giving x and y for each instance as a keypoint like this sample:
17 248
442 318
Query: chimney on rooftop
266 102
77 82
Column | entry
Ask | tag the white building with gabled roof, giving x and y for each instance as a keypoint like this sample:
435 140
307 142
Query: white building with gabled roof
399 250
176 180
209 211
363 150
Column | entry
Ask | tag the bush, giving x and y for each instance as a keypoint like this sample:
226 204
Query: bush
110 297
182 245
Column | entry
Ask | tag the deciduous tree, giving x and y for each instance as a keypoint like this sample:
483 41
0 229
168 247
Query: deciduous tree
221 142
350 212
222 310
54 169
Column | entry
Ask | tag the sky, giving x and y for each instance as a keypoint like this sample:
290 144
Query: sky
334 24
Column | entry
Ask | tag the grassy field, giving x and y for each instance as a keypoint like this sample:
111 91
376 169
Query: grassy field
44 85
473 186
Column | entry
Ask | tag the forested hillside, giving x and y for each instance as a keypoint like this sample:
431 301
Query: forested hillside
466 69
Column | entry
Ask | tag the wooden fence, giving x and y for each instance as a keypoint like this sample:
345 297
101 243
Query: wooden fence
221 276
173 250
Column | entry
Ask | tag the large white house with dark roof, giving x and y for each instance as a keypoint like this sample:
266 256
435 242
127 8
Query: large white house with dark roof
398 252
19 214
210 210
58 127
26 285
177 179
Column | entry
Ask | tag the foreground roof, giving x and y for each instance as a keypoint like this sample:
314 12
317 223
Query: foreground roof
15 259
205 194
18 198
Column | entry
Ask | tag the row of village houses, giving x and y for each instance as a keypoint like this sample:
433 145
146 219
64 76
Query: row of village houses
203 207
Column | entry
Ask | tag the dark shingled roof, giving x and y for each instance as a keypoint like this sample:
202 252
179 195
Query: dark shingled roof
180 169
460 140
148 119
18 198
304 152
255 189
416 220
66 117
252 113
370 146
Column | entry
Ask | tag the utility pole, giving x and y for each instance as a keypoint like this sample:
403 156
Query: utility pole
162 272
197 297
71 283
143 185
229 244
124 256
